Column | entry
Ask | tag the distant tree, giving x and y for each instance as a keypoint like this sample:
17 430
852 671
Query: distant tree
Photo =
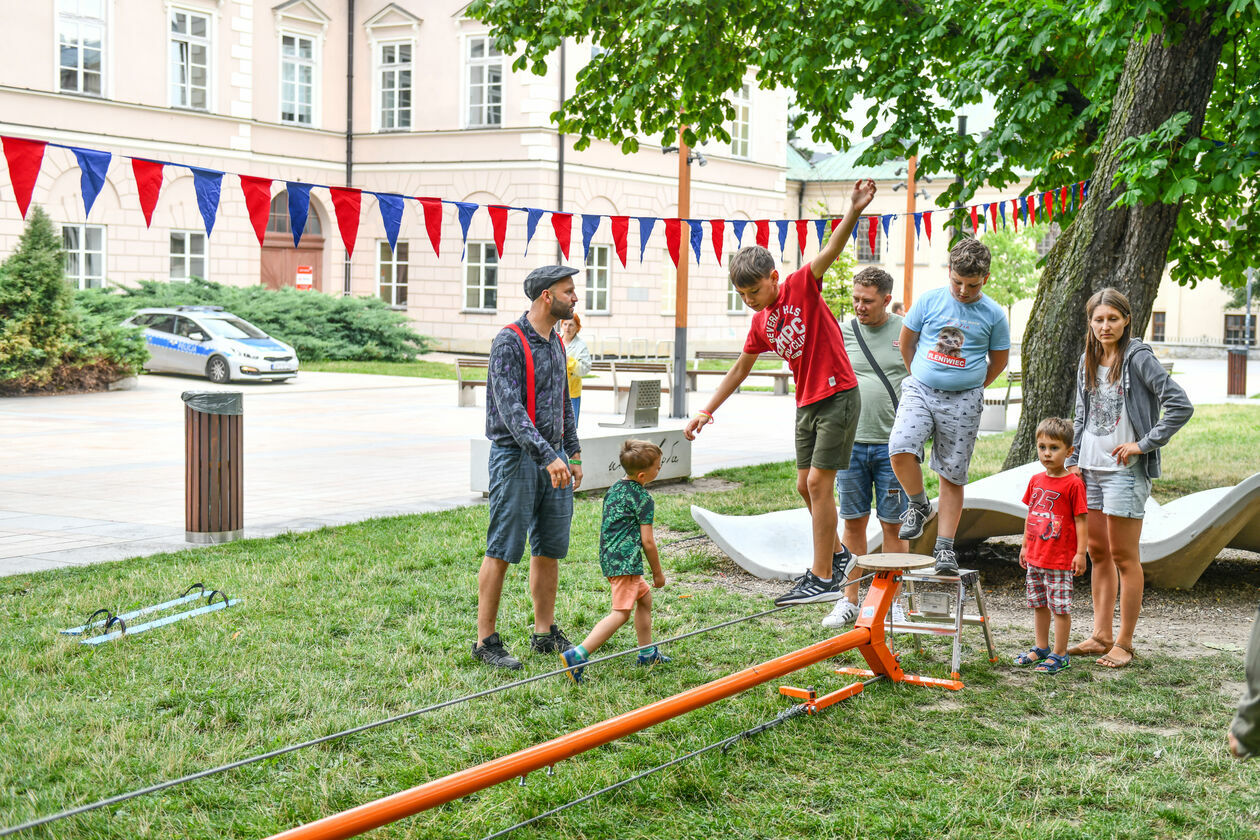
1238 295
837 286
1014 273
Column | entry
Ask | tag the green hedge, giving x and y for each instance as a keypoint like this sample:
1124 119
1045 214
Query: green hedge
47 342
319 326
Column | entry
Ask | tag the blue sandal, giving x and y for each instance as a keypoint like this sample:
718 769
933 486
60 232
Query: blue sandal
1032 657
1053 664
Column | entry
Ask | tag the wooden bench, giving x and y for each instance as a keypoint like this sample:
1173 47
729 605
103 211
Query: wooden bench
468 386
781 377
1167 366
1013 378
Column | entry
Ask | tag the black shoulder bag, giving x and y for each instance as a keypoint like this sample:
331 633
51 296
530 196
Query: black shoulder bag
866 351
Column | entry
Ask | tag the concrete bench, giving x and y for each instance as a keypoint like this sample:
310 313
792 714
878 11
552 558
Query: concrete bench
993 413
468 385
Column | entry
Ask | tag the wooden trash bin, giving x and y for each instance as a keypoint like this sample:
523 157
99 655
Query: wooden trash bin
1236 372
213 466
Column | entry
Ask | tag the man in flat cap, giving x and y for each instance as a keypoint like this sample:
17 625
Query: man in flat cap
535 463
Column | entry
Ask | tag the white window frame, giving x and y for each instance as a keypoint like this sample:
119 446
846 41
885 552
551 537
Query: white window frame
187 256
734 303
400 257
174 88
487 62
741 129
487 256
81 252
863 243
313 62
598 281
378 84
68 19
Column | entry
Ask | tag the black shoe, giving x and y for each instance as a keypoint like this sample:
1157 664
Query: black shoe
492 652
553 641
913 520
843 562
946 561
809 589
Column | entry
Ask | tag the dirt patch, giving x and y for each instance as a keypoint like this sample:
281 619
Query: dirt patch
1127 728
696 485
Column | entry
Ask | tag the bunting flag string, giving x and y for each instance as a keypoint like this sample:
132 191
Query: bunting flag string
25 159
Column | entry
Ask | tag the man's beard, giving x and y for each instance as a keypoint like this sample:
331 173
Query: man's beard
561 311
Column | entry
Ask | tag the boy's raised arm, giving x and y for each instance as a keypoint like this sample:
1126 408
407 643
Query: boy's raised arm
863 192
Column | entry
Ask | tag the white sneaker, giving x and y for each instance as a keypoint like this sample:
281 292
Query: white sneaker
899 613
844 614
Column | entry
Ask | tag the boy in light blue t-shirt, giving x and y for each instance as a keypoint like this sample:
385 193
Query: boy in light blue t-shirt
955 341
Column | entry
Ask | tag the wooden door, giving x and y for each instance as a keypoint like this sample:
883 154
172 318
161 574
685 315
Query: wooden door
280 260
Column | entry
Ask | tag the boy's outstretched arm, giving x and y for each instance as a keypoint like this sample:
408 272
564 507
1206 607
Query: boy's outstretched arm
737 374
863 192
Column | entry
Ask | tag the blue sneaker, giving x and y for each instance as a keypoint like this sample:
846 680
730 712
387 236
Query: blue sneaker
653 656
573 661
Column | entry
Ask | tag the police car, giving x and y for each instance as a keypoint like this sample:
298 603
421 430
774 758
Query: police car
207 341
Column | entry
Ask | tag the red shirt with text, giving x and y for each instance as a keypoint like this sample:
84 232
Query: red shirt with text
1050 531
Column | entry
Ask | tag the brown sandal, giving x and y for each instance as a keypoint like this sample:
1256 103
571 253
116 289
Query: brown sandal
1081 650
1107 661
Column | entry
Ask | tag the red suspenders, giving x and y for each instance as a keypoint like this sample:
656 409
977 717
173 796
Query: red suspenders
529 377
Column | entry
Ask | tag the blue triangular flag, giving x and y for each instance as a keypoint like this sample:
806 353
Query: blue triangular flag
299 208
531 224
697 236
466 210
738 224
646 223
1002 212
92 165
886 220
1084 190
391 215
918 228
821 226
590 223
206 183
783 226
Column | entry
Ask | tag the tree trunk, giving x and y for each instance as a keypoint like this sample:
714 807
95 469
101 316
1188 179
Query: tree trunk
1124 247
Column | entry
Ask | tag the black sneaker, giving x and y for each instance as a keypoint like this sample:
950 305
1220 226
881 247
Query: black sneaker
809 588
843 562
492 652
553 641
913 520
946 561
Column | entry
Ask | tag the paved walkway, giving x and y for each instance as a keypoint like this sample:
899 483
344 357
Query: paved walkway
96 477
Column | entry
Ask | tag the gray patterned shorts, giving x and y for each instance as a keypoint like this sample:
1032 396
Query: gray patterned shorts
950 418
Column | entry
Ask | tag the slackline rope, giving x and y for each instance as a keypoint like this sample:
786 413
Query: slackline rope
192 777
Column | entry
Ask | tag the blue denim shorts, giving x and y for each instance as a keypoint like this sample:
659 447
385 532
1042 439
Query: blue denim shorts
1118 492
870 472
524 504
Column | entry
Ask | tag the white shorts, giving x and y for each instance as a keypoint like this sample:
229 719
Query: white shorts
950 418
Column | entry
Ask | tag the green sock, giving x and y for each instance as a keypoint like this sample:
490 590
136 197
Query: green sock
581 652
648 652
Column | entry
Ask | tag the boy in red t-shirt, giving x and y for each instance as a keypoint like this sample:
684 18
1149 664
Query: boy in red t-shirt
1054 545
793 321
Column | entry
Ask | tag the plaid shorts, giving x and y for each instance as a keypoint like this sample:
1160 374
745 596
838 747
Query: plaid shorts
1050 588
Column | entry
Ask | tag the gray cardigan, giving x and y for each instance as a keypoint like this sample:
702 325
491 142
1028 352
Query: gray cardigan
1148 388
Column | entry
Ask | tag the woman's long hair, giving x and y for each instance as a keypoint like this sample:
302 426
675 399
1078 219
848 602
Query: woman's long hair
1093 347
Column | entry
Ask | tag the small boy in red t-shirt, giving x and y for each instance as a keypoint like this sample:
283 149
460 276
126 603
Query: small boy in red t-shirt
1054 545
794 321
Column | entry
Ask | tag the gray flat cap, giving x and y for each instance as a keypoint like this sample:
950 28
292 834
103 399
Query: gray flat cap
542 278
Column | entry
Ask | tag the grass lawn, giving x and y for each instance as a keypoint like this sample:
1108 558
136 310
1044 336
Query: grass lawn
428 370
347 625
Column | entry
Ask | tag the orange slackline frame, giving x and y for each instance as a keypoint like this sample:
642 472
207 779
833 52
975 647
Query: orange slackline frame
867 636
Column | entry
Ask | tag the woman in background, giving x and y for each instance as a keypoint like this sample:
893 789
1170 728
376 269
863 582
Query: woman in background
579 360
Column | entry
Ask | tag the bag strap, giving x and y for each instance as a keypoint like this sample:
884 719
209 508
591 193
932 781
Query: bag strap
530 405
870 358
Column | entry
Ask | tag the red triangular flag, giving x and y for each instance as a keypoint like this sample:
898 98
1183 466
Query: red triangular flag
346 204
1081 184
562 224
871 230
620 225
927 225
498 223
25 158
975 227
1062 199
763 232
433 222
802 233
1015 213
1032 211
835 223
718 227
993 215
1047 204
148 174
673 231
257 202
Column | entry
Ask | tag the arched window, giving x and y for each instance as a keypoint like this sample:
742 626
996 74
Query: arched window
278 219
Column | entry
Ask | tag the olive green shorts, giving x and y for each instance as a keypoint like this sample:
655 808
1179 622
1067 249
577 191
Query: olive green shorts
825 430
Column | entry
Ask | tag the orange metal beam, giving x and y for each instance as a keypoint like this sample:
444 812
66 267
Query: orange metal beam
867 636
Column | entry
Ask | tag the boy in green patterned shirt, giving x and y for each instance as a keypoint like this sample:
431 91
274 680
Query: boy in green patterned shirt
625 535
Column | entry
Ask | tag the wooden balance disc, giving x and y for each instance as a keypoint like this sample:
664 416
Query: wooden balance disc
881 562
